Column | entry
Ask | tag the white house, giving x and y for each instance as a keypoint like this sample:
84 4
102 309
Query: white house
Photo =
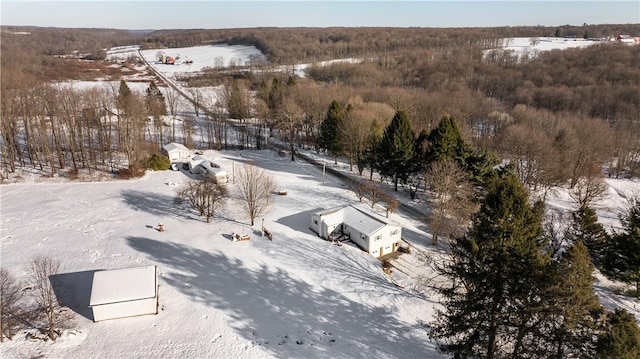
124 293
219 175
194 164
375 234
201 165
176 151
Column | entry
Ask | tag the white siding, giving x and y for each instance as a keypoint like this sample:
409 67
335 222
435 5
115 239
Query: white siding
125 309
372 232
124 292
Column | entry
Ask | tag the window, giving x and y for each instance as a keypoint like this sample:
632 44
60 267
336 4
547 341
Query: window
378 237
315 221
394 232
362 236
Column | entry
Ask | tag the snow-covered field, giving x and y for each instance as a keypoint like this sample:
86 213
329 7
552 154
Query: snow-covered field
202 56
294 297
531 47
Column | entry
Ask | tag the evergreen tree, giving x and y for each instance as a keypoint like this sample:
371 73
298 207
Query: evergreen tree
496 274
569 319
154 100
124 97
621 338
585 228
395 153
370 148
238 100
622 258
420 151
330 130
446 142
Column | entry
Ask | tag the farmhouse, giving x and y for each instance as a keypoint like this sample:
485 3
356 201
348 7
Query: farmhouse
201 165
372 232
176 151
124 293
219 175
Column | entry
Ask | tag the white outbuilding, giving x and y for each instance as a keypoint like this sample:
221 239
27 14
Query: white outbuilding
124 293
375 234
176 151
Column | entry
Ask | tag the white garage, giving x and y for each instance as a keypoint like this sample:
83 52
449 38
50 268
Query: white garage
176 151
123 293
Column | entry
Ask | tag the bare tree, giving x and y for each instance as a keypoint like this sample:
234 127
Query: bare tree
589 188
175 104
391 203
196 99
289 121
452 205
358 188
42 268
368 189
256 188
10 294
204 195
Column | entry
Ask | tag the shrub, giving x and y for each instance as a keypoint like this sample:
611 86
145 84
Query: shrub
158 162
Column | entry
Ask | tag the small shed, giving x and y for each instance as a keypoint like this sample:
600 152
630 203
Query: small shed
176 151
124 293
375 234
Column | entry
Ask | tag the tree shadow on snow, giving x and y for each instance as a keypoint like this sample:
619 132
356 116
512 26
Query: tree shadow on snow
154 203
285 315
73 290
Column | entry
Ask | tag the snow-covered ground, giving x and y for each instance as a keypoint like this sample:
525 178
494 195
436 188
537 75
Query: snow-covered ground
531 47
294 297
200 57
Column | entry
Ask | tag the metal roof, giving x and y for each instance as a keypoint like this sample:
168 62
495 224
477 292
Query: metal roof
123 285
360 217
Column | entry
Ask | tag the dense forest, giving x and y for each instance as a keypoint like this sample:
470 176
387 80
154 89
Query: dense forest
555 115
432 111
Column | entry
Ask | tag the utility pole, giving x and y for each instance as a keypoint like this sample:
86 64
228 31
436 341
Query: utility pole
323 169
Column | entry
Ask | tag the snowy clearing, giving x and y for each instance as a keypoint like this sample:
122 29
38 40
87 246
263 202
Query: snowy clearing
294 297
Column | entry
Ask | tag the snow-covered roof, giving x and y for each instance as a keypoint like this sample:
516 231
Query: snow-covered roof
360 217
122 285
174 146
197 160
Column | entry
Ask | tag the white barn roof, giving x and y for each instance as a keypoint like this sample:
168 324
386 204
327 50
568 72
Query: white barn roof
121 285
174 146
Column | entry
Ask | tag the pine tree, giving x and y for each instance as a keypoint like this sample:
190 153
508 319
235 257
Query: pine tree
585 228
496 274
154 100
329 130
621 338
371 145
124 97
395 152
622 258
572 308
446 142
